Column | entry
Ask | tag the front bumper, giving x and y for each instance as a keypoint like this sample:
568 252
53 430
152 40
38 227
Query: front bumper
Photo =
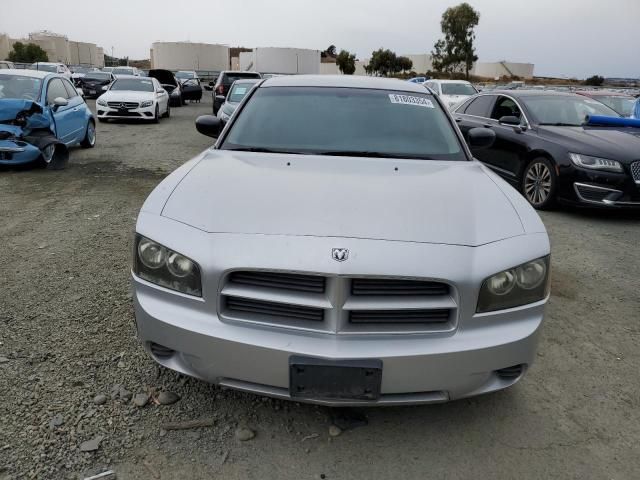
17 152
187 334
599 189
140 113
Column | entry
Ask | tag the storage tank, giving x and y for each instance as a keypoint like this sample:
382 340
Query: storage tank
83 53
189 56
281 60
56 46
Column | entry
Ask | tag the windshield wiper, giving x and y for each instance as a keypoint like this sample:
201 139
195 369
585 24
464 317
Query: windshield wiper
257 149
365 153
559 124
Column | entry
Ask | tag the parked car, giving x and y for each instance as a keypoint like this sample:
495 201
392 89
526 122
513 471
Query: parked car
78 72
134 97
342 246
452 92
224 82
107 69
620 102
237 92
171 84
545 151
192 89
126 71
183 75
52 67
5 64
418 79
41 115
95 84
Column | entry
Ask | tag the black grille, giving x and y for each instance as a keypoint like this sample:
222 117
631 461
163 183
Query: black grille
593 194
399 316
161 351
128 105
510 373
271 309
282 281
123 113
635 171
383 286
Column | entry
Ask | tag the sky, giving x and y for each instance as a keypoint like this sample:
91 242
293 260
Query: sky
573 38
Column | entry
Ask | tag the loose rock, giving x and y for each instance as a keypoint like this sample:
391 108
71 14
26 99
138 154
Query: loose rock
141 399
334 431
91 445
4 360
56 421
243 434
167 398
100 399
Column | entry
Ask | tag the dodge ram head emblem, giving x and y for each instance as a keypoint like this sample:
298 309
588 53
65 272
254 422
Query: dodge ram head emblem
340 254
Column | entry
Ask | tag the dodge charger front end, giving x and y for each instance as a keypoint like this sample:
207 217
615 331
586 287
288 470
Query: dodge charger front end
339 245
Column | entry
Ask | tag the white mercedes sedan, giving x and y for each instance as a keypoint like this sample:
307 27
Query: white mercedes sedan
340 245
138 98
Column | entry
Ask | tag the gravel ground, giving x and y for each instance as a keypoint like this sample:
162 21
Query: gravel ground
78 395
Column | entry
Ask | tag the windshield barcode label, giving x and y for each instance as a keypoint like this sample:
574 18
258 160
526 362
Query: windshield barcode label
410 100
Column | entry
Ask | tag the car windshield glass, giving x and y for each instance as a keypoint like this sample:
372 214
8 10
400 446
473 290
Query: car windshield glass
18 86
345 122
457 89
239 91
133 84
97 76
622 105
561 110
44 68
232 77
185 75
122 71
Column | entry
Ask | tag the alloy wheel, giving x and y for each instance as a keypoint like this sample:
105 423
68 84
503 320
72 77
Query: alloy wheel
537 183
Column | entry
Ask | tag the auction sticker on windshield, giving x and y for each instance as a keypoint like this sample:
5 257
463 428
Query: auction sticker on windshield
410 100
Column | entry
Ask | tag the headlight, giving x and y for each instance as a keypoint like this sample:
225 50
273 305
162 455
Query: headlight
157 264
526 283
595 163
146 103
102 102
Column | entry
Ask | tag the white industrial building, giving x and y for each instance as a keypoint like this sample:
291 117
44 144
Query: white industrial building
189 56
422 62
281 60
58 47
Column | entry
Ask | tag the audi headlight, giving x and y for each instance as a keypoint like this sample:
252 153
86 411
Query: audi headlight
526 283
146 103
157 264
102 102
595 163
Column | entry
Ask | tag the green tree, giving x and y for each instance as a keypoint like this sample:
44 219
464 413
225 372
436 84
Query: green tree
27 53
346 62
456 52
384 62
595 81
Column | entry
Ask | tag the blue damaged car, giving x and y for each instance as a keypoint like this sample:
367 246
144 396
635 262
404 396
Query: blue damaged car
41 115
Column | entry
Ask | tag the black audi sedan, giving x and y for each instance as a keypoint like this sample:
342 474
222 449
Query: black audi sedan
545 149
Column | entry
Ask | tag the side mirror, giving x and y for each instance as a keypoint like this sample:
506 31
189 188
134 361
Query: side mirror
60 102
209 125
510 120
479 138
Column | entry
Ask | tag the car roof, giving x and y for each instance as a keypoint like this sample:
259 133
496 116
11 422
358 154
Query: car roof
520 92
26 72
344 81
447 81
602 93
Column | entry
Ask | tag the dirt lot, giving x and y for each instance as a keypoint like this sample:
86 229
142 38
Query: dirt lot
67 337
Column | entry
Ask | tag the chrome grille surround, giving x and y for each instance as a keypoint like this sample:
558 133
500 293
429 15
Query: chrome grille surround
127 105
336 309
635 171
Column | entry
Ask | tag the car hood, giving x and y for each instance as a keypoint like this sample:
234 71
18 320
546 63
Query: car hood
35 115
127 96
304 195
617 143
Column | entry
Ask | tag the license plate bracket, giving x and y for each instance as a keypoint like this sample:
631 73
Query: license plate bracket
318 378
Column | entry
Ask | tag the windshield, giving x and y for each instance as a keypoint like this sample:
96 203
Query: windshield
622 105
185 75
239 91
97 76
43 67
133 84
458 89
345 122
18 86
122 71
564 110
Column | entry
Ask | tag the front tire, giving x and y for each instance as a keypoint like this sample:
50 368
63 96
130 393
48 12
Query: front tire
167 114
156 116
89 140
55 157
539 183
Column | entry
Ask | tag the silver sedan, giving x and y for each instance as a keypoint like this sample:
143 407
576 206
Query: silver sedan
340 245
